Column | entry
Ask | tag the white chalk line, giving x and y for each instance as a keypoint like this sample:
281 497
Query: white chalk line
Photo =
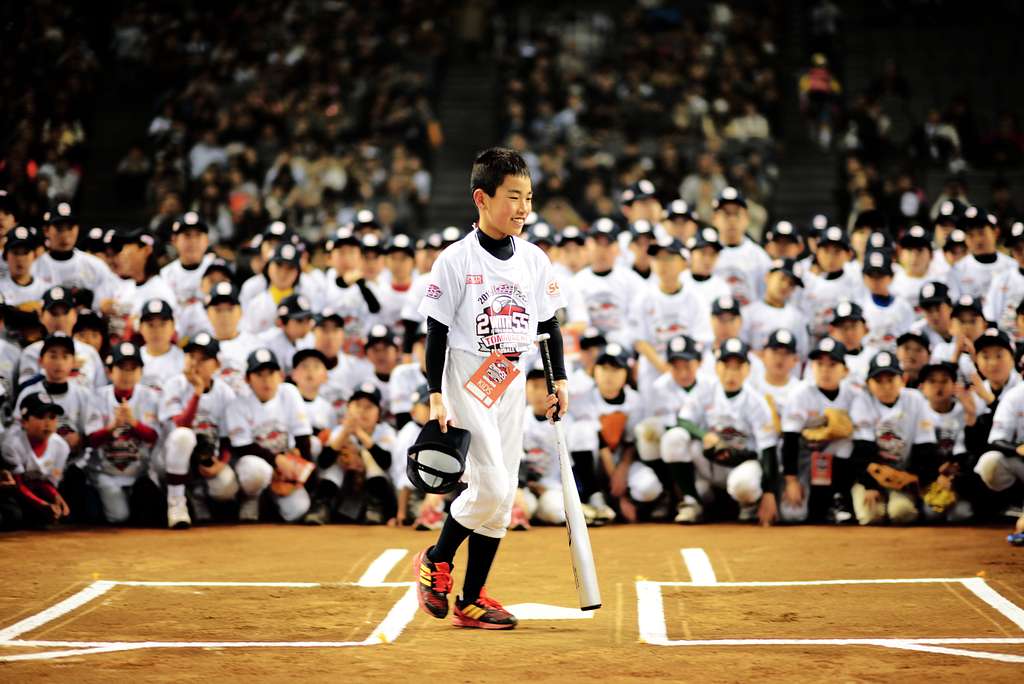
55 611
699 566
653 629
380 568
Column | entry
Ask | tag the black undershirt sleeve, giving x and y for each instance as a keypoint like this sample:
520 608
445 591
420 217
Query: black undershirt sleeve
409 329
551 327
381 455
769 470
790 453
303 444
864 453
437 346
254 449
371 300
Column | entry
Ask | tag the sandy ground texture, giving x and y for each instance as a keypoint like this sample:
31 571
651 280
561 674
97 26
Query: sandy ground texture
741 604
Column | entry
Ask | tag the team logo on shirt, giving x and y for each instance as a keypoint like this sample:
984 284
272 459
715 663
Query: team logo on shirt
553 288
433 291
504 323
474 279
891 445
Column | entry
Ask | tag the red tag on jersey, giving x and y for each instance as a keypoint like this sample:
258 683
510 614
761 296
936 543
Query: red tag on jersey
491 379
821 468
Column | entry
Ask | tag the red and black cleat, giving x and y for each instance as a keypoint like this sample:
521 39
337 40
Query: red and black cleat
483 613
433 583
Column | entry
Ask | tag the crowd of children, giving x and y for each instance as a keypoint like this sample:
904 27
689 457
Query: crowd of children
862 376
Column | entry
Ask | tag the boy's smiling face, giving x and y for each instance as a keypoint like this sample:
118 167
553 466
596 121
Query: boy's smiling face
505 213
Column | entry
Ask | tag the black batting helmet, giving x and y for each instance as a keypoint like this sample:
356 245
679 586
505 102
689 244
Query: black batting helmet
437 459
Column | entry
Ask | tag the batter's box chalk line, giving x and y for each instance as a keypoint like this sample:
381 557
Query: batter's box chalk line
653 630
388 630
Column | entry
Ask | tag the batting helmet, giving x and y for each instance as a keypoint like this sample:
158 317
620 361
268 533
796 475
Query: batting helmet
437 459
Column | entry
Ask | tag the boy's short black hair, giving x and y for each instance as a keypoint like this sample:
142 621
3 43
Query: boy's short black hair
492 166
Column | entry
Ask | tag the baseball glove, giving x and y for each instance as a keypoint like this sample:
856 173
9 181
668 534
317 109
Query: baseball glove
890 477
940 494
291 472
837 426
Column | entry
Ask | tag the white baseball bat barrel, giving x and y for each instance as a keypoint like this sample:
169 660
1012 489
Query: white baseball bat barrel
583 568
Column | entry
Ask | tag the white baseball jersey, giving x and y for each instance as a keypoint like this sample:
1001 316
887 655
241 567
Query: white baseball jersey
125 455
186 282
780 394
157 370
921 327
658 317
16 295
81 413
232 357
349 303
820 295
80 271
284 349
9 357
972 277
950 427
213 421
575 306
273 425
609 299
342 380
743 268
87 370
664 398
410 309
1004 294
392 302
192 320
615 421
805 408
21 459
1008 420
760 320
403 382
320 413
405 438
742 422
489 304
540 450
886 323
897 429
908 288
708 289
1011 382
129 297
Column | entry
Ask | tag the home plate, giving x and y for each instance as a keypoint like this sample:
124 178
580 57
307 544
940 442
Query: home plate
543 611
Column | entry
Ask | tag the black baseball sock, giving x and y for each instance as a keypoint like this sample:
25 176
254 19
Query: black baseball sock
685 477
452 536
481 555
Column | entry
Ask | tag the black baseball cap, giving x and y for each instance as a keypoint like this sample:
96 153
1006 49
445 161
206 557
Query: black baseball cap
58 339
365 218
670 245
304 354
205 343
189 221
993 337
287 253
956 238
879 241
781 339
277 231
219 265
725 305
877 262
260 359
934 293
847 311
967 303
614 355
61 213
294 307
706 236
642 189
911 336
371 242
783 230
680 209
870 218
976 217
1015 235
733 348
830 347
156 308
421 395
915 237
38 405
789 267
222 292
58 296
641 228
131 236
947 367
683 347
833 235
89 320
541 233
451 234
125 352
592 337
729 195
605 227
329 314
571 234
400 243
343 236
367 390
884 362
380 333
23 237
950 212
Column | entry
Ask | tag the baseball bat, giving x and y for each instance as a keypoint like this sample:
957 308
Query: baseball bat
583 569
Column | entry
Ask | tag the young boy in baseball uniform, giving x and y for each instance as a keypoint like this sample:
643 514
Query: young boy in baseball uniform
489 295
36 456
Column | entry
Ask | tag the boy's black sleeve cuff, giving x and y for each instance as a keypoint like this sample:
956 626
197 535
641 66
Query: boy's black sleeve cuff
555 346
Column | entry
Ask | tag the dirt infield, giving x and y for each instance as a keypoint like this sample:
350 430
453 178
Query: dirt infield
273 602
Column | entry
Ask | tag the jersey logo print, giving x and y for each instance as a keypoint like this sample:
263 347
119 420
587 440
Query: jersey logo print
433 292
474 279
503 325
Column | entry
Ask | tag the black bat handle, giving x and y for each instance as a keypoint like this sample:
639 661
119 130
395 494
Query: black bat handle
545 357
